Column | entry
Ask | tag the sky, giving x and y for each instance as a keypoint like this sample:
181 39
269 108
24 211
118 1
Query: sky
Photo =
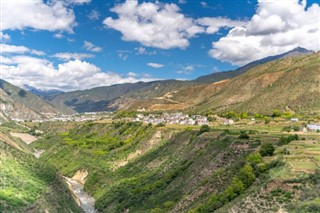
80 44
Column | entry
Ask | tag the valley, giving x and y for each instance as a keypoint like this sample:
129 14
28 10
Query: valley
249 143
135 167
159 106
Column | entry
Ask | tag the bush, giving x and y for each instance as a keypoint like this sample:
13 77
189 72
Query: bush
204 128
267 149
285 140
244 135
254 158
247 175
160 125
276 113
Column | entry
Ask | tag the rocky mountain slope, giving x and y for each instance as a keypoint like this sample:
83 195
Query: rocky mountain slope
20 104
214 77
291 84
116 96
157 95
10 109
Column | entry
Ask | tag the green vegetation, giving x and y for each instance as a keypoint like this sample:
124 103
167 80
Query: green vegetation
204 128
26 184
266 149
145 168
285 140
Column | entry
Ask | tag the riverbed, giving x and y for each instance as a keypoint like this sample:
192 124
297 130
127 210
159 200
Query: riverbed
85 201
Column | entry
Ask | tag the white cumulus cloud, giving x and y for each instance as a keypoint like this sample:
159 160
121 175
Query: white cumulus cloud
277 27
51 16
71 75
70 56
13 49
153 24
155 65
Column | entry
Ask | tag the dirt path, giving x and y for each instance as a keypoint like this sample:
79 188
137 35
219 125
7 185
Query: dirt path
9 141
25 137
85 201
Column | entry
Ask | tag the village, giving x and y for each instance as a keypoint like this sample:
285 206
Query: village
172 118
176 118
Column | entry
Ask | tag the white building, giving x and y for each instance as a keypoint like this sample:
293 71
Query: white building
313 127
228 122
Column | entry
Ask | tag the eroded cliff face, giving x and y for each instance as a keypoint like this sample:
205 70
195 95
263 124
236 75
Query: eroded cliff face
81 176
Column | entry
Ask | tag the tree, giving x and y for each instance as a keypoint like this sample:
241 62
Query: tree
267 149
247 175
204 128
254 158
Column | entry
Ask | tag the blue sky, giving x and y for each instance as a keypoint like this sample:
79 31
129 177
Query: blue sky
79 44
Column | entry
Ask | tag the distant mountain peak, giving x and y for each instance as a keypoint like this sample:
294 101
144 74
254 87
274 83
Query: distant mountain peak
300 49
42 93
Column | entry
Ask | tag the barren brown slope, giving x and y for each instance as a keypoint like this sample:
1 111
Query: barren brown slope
10 109
292 83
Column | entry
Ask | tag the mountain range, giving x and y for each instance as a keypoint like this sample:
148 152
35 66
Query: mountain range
173 94
288 81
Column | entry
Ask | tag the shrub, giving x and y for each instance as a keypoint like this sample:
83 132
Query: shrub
244 135
204 128
169 204
247 175
276 113
160 125
254 158
267 149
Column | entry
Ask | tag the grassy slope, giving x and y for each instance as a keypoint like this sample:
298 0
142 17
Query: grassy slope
181 172
27 184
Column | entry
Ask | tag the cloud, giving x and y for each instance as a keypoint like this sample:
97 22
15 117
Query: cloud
214 24
77 1
123 54
186 69
204 4
132 74
4 37
91 47
9 49
35 14
153 24
71 75
58 35
182 1
155 65
70 56
277 27
94 15
143 51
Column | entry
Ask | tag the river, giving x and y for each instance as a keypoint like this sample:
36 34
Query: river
85 201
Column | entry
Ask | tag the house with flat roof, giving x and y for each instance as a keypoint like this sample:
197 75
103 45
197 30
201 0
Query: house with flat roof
313 127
